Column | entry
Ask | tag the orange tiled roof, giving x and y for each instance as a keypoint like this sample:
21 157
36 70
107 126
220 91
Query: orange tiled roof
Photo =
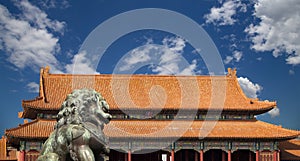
221 129
290 150
168 129
149 91
37 129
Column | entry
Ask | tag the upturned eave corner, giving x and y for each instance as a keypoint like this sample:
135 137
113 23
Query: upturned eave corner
21 114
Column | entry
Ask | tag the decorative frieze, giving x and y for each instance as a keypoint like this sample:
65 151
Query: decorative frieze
244 145
27 145
196 145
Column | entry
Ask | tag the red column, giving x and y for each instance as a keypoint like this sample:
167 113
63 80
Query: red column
126 156
173 155
257 155
186 155
229 155
278 155
275 155
129 155
223 155
22 155
201 155
180 155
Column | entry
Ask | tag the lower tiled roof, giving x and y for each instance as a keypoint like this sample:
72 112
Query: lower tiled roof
39 129
244 129
290 150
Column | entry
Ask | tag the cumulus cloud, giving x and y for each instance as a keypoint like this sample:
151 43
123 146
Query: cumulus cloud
38 18
33 87
236 56
26 38
224 15
228 59
274 112
54 4
137 55
81 65
278 29
191 69
250 89
163 59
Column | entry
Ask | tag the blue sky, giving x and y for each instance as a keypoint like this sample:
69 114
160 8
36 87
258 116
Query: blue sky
260 40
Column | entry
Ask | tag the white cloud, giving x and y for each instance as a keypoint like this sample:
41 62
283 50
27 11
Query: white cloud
175 44
228 59
54 4
224 15
33 87
274 112
291 72
163 59
294 59
26 40
236 56
190 70
137 55
250 89
278 29
81 65
38 17
171 61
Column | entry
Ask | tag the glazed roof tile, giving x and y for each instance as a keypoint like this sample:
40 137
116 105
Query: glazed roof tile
37 129
242 129
210 129
290 150
149 91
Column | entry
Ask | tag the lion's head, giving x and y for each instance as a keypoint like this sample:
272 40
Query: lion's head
84 106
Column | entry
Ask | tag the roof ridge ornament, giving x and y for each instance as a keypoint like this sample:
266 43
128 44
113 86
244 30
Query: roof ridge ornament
231 72
44 72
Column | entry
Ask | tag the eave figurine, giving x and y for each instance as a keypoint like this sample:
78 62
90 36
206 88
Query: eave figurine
78 133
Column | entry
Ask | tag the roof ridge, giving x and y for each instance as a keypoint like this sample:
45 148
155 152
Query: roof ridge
45 72
140 75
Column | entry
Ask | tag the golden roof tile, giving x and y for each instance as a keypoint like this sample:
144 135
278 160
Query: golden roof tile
243 129
149 91
37 129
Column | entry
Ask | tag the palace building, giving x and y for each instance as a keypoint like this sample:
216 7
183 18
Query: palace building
160 118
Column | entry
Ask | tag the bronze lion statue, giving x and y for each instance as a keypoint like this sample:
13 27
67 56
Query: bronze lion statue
78 134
